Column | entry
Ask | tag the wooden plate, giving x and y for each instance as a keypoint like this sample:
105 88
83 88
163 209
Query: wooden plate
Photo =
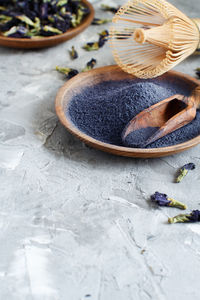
51 40
83 80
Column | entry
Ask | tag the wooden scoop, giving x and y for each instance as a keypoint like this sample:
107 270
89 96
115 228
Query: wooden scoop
167 116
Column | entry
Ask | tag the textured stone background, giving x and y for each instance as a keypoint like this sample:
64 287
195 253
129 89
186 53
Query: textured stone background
76 223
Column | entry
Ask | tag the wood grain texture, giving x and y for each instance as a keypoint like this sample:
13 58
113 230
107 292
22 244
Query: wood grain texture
51 40
93 77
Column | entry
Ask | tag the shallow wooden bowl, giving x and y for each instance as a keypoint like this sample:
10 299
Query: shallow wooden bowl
51 40
83 80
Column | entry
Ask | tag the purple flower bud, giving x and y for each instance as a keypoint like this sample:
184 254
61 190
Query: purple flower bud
195 216
164 200
44 10
198 72
160 199
184 170
72 73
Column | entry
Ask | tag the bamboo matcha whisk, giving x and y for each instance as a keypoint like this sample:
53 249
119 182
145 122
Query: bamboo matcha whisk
150 37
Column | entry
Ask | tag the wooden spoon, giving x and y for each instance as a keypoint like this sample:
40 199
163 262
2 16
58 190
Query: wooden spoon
165 116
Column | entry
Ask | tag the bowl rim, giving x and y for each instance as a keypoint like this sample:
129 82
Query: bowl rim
119 150
49 40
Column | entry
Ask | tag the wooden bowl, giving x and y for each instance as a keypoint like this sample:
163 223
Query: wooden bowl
50 40
93 77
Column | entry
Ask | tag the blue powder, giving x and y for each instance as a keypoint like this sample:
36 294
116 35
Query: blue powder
102 111
138 138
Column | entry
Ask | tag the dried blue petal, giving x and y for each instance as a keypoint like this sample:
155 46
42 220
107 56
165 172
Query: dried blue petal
44 10
6 22
164 200
198 72
72 73
104 34
101 42
16 31
2 8
51 29
160 199
103 37
184 170
190 166
90 65
67 71
93 46
98 21
110 8
193 217
62 2
26 20
73 53
79 16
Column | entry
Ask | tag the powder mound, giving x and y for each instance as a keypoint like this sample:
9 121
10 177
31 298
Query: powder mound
102 111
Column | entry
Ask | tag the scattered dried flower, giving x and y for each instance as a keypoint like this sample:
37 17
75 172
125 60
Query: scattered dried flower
73 53
110 8
93 46
198 72
97 21
164 200
184 170
193 217
90 65
67 71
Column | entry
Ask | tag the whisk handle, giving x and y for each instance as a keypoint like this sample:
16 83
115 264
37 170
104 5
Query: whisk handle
197 22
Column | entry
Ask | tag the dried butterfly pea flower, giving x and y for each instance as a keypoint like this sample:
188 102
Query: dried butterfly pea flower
67 71
90 65
164 200
97 21
104 33
26 20
73 53
184 170
110 8
16 31
4 19
80 14
92 46
103 37
198 72
49 29
55 16
72 73
62 2
6 22
2 8
61 23
193 217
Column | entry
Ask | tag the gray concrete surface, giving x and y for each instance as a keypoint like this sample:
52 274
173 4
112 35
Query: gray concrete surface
76 223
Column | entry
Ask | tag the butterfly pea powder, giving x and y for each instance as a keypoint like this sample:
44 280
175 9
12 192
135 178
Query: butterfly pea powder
102 111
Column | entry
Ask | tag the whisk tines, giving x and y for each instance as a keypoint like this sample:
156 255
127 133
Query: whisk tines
149 37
